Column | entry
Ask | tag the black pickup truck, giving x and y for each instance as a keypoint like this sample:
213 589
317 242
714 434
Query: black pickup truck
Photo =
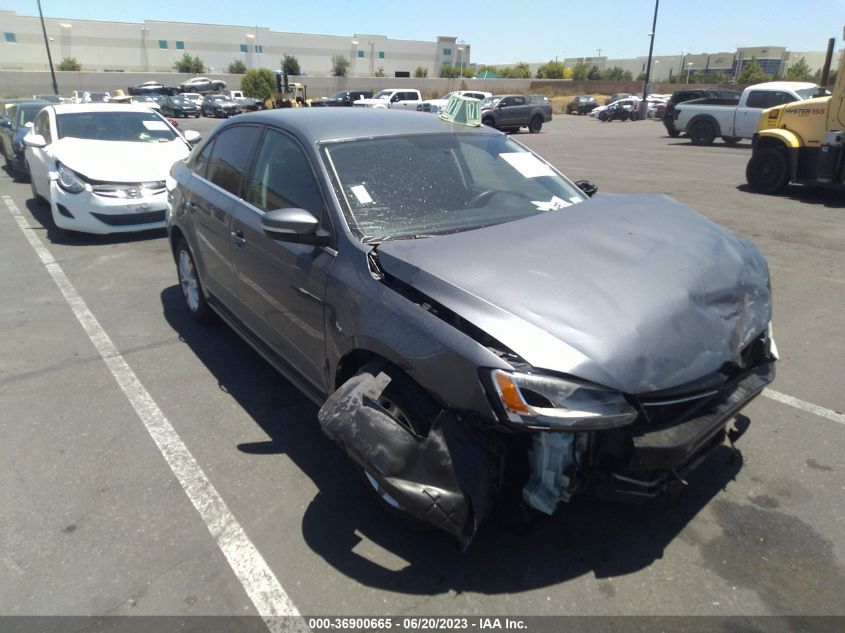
342 98
511 112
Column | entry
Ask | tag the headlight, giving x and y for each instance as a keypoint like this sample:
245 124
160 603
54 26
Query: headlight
68 180
554 403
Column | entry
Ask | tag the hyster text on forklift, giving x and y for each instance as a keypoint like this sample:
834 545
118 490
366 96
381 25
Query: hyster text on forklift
802 142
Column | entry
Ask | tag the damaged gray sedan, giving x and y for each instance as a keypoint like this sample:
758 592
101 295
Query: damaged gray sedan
475 328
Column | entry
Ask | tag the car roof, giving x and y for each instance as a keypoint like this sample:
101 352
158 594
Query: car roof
320 125
32 102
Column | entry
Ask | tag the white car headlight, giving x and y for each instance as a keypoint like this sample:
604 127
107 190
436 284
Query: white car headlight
68 180
554 403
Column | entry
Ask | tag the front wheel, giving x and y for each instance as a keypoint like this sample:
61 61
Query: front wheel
191 286
489 122
535 125
768 170
673 133
635 115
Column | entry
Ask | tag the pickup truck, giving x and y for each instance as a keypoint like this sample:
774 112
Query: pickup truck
511 112
397 98
342 98
703 122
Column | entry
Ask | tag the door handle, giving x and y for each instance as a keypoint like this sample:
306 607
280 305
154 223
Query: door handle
190 206
238 238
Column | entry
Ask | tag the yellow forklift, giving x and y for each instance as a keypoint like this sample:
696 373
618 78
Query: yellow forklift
289 94
802 142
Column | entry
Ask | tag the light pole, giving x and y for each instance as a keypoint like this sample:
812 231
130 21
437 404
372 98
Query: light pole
145 30
47 45
643 103
689 67
354 54
461 60
250 38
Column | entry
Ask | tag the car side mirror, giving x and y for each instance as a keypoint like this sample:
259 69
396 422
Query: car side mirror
587 187
293 225
192 136
7 123
34 140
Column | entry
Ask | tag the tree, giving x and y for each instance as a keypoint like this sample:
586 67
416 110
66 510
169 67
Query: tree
799 71
340 65
421 71
594 72
290 65
831 78
751 73
188 64
519 71
449 71
380 71
552 70
237 67
579 71
259 83
485 68
70 63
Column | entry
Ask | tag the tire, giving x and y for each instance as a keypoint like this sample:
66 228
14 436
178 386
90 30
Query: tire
197 115
673 133
768 170
489 122
603 115
731 140
635 116
189 281
536 124
702 133
416 412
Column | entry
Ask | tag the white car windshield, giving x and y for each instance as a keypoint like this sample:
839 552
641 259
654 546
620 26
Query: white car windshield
384 94
142 127
408 186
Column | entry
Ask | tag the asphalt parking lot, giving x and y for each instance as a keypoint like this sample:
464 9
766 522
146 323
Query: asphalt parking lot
96 519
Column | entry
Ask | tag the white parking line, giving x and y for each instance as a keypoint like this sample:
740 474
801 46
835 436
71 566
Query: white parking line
809 407
261 585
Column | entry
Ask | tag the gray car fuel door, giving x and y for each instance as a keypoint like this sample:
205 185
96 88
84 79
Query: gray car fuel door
210 200
281 284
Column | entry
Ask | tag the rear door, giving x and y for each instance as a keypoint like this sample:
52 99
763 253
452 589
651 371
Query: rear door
211 198
281 285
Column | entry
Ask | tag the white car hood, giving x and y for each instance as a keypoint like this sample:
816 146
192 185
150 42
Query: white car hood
119 161
371 102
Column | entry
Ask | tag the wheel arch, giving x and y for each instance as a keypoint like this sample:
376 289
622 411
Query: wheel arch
773 138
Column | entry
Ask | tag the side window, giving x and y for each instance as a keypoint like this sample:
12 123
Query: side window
506 102
201 161
760 99
42 126
282 177
519 101
783 97
230 155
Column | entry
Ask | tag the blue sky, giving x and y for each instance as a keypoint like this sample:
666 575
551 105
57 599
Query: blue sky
506 31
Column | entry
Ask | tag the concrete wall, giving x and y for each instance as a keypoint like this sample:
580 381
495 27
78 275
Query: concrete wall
28 83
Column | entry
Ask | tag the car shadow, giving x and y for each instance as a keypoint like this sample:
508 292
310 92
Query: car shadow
822 196
676 142
41 212
344 525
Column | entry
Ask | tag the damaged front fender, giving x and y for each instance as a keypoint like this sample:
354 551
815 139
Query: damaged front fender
446 479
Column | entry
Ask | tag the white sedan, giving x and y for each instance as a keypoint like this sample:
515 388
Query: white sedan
102 168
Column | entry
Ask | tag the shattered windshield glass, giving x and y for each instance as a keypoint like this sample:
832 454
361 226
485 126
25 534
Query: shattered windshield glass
409 186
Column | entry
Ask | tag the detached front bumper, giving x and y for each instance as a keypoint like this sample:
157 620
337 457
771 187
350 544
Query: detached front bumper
109 212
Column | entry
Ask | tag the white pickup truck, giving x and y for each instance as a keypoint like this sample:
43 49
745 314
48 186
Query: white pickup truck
398 98
703 122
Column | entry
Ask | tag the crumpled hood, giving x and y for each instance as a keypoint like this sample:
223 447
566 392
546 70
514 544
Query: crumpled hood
119 161
636 292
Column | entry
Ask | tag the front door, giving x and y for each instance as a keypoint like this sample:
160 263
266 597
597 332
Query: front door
282 285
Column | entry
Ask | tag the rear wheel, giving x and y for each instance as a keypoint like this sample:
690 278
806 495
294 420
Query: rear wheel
768 170
191 286
536 124
635 115
702 133
731 140
673 133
